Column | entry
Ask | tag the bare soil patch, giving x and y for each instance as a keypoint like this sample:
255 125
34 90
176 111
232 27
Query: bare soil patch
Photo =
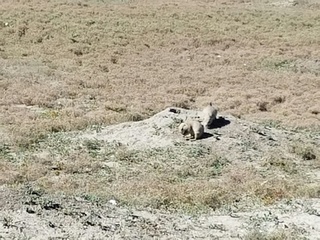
86 90
147 176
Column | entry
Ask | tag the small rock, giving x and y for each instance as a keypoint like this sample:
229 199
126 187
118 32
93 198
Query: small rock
89 223
113 202
52 225
272 138
30 210
112 164
218 226
145 215
51 206
180 227
79 199
262 133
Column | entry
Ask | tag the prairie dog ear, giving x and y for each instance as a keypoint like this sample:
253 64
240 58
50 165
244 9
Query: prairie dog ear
184 128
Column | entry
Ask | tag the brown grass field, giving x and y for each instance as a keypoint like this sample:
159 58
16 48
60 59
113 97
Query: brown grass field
68 65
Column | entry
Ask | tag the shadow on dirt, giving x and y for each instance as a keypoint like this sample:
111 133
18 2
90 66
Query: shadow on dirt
206 135
219 123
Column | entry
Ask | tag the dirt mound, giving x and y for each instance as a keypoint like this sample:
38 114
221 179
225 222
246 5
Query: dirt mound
134 208
232 137
157 131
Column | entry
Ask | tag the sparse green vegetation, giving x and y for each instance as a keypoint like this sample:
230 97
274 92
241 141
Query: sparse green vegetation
278 64
305 152
276 235
180 178
284 164
4 149
71 67
217 165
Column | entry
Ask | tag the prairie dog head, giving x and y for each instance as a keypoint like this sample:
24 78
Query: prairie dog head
184 128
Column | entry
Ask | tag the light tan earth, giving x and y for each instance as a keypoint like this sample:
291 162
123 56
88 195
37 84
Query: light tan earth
40 217
31 213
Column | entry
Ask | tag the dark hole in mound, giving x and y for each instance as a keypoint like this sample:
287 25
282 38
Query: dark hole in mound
173 110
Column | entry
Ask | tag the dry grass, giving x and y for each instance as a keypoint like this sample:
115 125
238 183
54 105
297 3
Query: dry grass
67 65
180 178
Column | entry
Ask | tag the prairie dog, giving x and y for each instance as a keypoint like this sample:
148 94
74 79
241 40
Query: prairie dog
209 114
191 129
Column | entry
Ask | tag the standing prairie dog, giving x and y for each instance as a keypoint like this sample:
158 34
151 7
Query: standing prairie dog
209 114
192 129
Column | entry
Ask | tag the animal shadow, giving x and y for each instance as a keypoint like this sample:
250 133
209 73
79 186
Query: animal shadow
206 135
219 123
